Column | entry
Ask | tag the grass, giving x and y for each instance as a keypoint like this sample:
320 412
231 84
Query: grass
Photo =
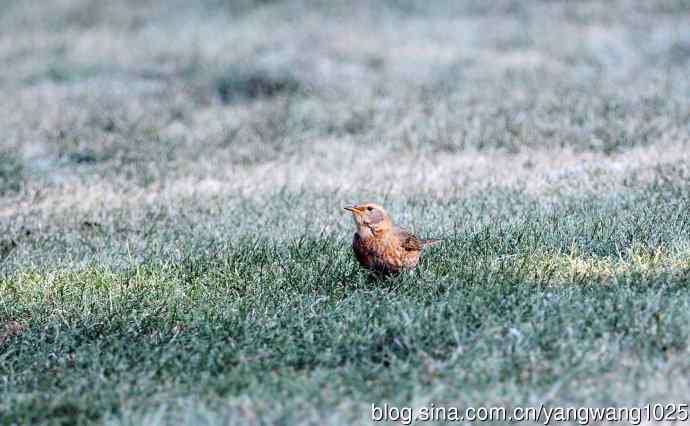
172 244
515 313
10 173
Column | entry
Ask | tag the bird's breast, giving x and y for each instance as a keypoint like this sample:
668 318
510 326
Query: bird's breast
378 253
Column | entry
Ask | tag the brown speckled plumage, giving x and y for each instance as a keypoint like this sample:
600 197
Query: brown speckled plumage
381 246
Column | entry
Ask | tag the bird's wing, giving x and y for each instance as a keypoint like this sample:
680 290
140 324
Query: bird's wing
411 243
408 241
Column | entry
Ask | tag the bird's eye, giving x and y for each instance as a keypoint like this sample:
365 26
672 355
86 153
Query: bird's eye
370 208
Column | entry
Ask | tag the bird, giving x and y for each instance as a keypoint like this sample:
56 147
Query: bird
381 246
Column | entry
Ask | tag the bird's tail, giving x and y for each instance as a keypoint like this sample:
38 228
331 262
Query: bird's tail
431 241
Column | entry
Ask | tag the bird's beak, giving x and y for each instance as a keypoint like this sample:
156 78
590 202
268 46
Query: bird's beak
353 209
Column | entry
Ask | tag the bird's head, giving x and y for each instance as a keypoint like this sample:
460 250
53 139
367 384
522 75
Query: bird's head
370 218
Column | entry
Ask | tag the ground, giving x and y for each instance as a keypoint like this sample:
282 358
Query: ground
173 248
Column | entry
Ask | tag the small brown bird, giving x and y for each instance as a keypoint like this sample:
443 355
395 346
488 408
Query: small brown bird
380 245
